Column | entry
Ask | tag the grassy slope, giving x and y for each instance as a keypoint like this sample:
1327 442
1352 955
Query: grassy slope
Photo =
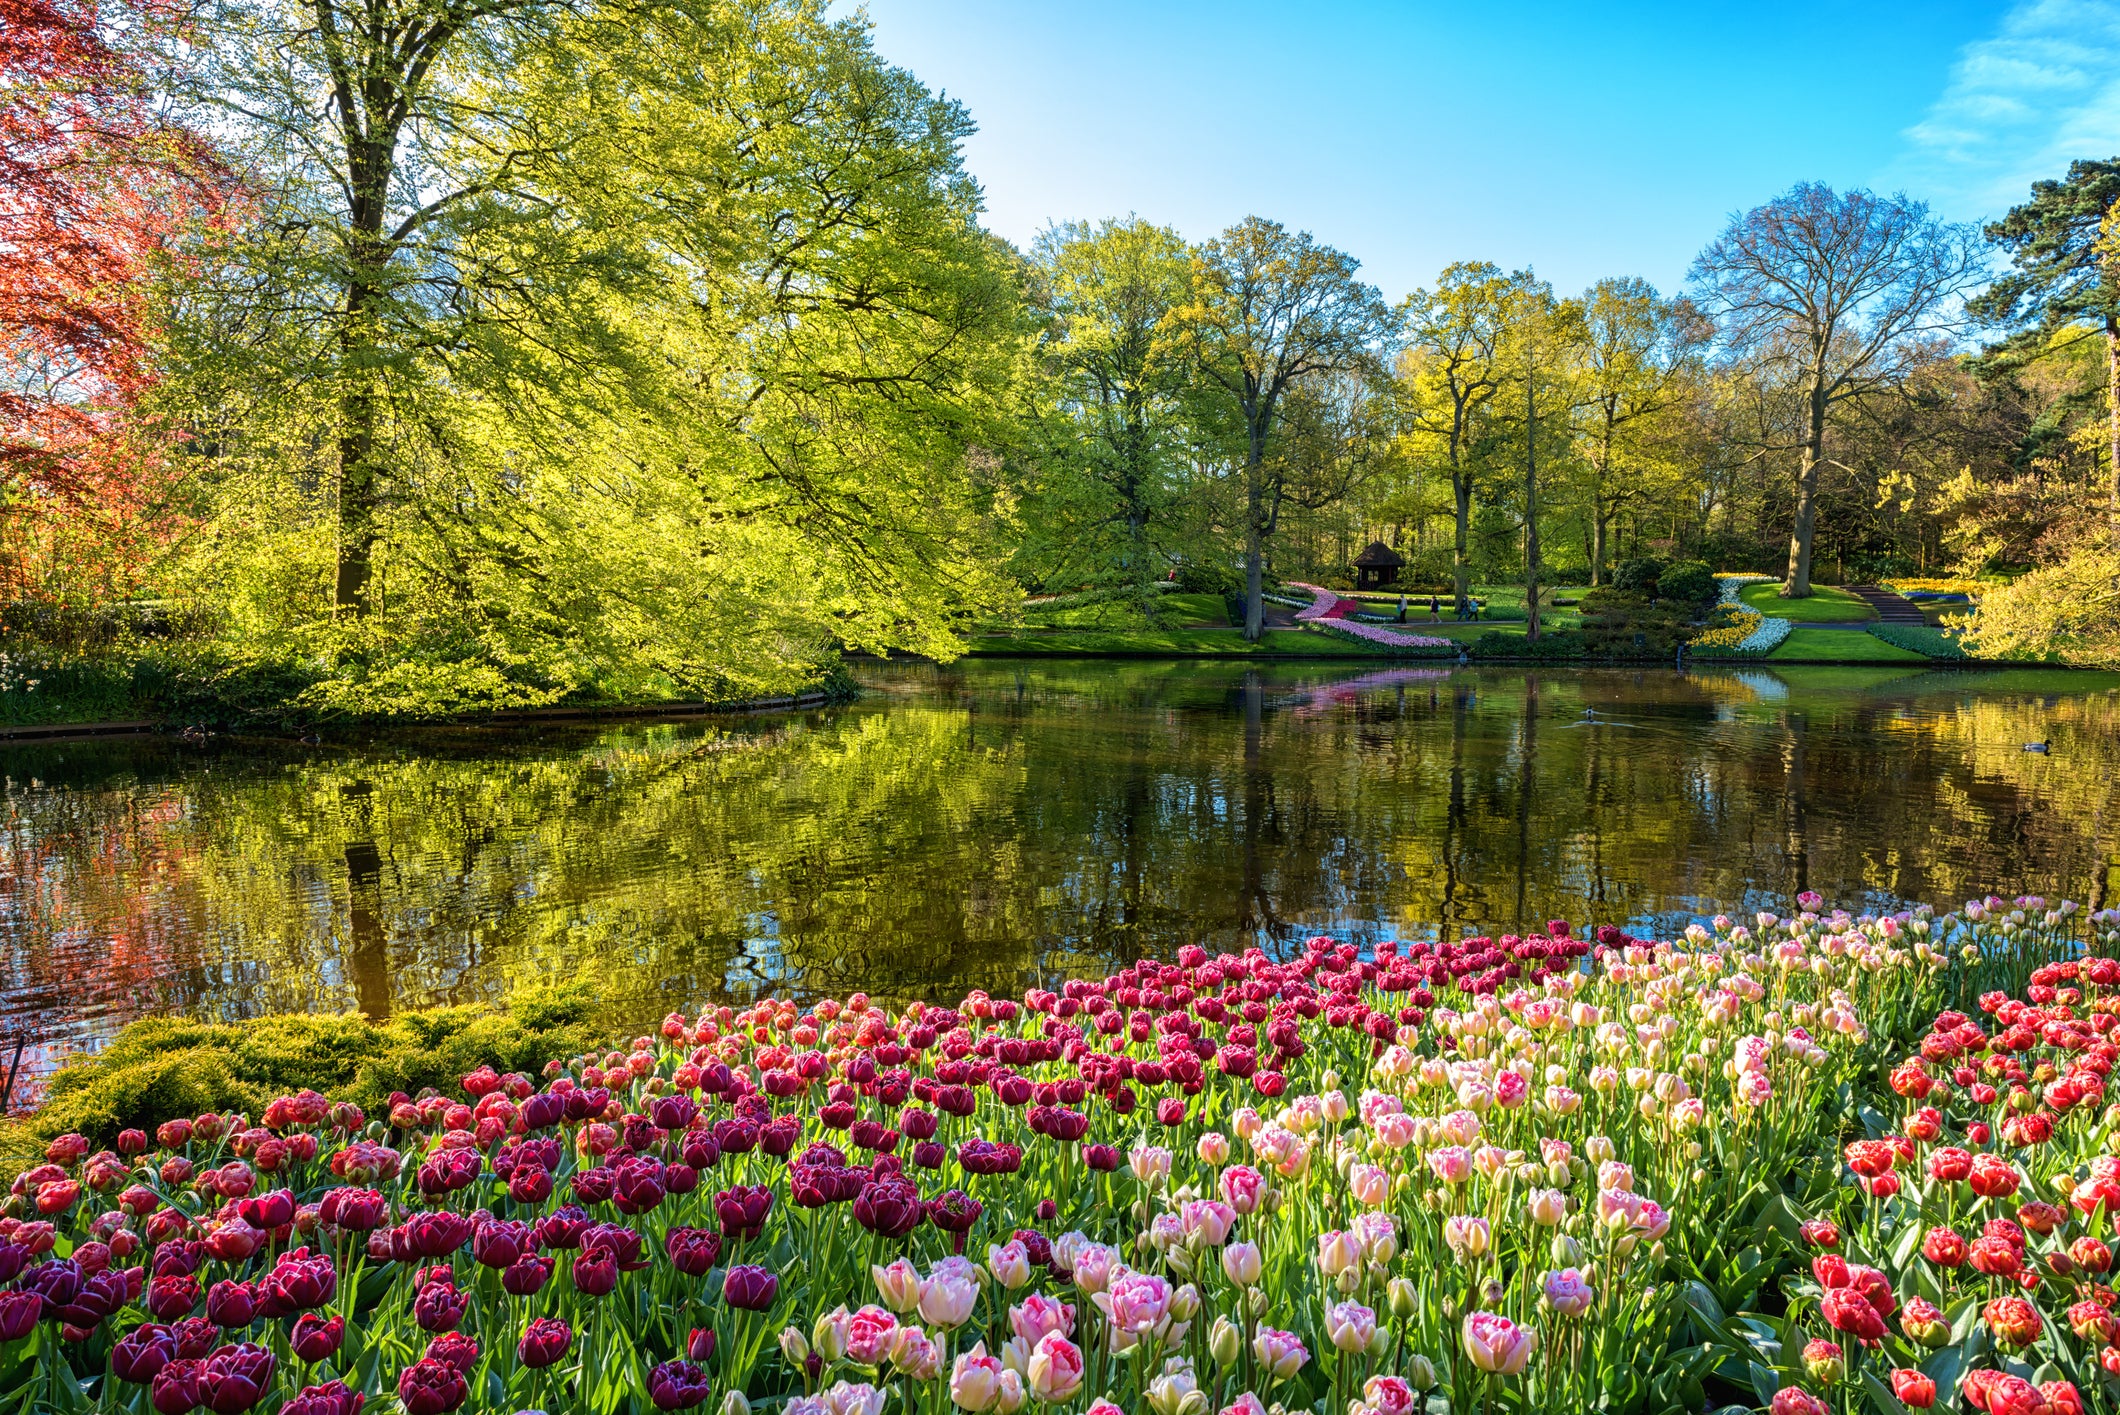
1841 646
1828 604
1218 642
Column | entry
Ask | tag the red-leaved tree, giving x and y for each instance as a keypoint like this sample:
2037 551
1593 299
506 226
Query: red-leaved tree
94 187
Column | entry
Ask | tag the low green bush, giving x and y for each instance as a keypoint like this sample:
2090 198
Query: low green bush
1921 639
1687 582
163 1067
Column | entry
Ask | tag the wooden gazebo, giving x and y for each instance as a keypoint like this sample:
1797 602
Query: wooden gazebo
1377 566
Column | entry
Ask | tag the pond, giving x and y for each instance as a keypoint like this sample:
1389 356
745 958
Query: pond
997 822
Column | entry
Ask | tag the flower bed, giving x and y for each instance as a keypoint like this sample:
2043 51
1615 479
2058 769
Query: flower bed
1749 631
1330 612
1543 1172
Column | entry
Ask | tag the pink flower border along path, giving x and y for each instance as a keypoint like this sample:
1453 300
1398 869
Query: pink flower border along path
1328 611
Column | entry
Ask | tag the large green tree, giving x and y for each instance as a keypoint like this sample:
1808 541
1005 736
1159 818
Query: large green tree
1836 296
1114 435
687 365
1271 310
1455 363
2065 246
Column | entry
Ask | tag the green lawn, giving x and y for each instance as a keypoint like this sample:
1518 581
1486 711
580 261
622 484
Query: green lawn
1124 614
1216 642
1828 604
1842 646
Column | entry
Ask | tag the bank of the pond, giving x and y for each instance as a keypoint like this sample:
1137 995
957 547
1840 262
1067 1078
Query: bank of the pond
160 1067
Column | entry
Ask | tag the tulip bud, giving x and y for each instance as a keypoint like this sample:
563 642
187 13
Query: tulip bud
734 1404
1402 1297
1420 1373
1224 1342
1259 1301
794 1346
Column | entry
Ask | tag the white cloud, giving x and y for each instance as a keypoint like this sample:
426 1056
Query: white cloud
2044 90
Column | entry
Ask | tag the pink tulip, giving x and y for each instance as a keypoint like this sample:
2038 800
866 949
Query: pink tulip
1208 1220
1350 1327
975 1380
869 1335
1054 1372
915 1353
1338 1252
1451 1163
1280 1354
948 1299
1568 1293
1038 1316
1241 1186
1496 1345
898 1284
1370 1184
1135 1302
1242 1264
1213 1148
1010 1264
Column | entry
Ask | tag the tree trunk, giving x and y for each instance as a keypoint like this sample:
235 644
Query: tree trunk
357 479
1461 572
1254 556
1531 566
2112 397
1798 585
1601 522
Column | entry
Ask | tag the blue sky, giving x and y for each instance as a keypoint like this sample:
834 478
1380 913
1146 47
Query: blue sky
1582 139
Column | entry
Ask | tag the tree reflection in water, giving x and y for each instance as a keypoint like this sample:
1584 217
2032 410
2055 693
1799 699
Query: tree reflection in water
990 823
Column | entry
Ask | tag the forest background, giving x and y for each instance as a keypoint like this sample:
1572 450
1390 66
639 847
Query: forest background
415 356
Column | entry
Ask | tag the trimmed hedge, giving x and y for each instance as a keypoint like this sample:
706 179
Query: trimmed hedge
1921 639
160 1068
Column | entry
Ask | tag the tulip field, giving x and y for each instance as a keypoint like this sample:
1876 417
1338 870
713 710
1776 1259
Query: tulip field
1820 1163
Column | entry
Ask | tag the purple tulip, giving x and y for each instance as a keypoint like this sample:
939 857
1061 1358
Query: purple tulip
593 1186
544 1342
743 1209
354 1210
699 1345
231 1304
595 1272
178 1387
172 1298
890 1208
429 1387
439 1307
751 1289
332 1398
527 1275
235 1378
300 1283
563 1227
498 1243
678 1385
196 1338
672 1112
142 1352
543 1111
432 1235
316 1339
456 1349
693 1251
638 1185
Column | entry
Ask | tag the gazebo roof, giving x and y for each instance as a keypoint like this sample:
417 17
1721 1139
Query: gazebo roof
1379 556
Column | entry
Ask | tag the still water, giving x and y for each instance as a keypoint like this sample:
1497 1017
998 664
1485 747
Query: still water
996 822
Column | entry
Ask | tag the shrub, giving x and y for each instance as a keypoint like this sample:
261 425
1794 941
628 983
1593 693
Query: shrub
165 1066
1210 577
1687 582
1555 644
1638 576
1933 642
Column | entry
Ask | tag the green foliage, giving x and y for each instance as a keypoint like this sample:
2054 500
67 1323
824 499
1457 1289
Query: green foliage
1210 575
1559 645
698 376
169 1066
1687 582
1931 643
1638 575
1621 624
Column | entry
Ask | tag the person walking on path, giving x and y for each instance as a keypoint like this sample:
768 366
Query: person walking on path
1435 610
1402 609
